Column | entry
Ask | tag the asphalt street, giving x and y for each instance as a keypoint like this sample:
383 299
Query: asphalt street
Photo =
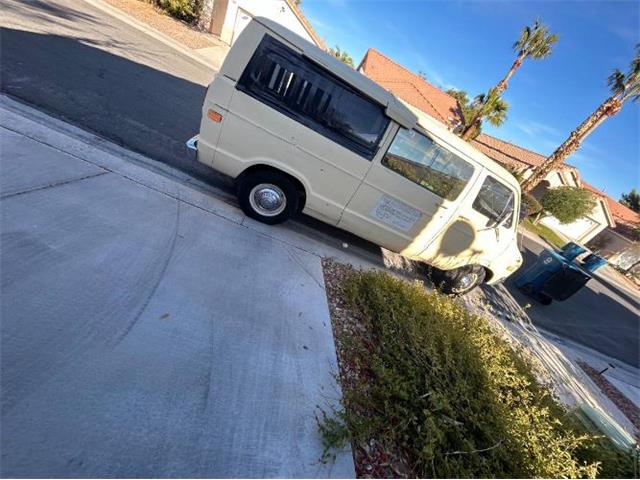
72 60
99 73
603 316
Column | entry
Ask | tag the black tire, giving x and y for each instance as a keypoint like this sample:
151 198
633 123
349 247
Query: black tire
284 185
545 299
454 282
527 288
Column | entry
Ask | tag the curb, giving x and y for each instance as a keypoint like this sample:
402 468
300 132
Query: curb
152 32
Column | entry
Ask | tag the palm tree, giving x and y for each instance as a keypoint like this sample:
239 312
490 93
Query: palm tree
484 106
534 42
341 55
623 87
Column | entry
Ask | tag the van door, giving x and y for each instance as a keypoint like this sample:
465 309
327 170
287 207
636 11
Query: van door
331 130
409 194
481 231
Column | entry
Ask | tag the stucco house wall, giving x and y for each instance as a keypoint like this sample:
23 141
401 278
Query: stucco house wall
229 17
583 229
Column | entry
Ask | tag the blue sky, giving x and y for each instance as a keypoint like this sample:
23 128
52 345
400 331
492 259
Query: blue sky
467 45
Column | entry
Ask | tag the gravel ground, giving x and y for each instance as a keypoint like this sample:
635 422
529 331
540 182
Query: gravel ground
371 459
158 19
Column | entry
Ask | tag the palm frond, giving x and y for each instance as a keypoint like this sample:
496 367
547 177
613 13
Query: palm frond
520 44
616 82
498 113
541 43
633 73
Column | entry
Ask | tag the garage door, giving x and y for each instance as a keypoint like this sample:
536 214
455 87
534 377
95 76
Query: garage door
242 20
575 231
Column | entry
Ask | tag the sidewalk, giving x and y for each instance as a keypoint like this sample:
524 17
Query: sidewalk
149 329
556 359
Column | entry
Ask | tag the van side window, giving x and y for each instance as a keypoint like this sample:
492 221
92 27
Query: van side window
495 201
421 160
295 86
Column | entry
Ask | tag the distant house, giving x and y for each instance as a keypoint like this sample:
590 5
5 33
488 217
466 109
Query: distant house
524 161
227 18
620 244
417 91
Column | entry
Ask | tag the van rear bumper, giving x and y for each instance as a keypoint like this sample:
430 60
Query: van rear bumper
192 143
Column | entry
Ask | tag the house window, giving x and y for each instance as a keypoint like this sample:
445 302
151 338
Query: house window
495 201
562 181
295 86
575 178
421 160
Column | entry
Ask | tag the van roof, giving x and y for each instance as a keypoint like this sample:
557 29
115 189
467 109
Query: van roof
438 130
394 107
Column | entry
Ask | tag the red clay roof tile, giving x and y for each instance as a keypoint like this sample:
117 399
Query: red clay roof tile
619 212
411 87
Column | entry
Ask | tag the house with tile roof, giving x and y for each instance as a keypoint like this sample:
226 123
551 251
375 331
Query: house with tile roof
410 87
419 92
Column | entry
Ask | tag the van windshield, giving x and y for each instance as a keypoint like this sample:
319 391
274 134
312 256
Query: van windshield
419 159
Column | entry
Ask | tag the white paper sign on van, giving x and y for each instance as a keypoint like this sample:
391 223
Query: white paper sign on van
393 212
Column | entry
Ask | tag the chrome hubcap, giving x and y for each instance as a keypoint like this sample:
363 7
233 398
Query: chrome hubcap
466 282
267 199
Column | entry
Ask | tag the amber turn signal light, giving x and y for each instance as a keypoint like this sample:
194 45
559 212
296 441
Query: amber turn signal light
215 116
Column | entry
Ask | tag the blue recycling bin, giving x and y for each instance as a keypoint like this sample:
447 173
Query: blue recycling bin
572 250
552 277
593 262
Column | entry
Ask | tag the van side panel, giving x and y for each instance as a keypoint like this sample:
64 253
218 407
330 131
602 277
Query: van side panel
254 132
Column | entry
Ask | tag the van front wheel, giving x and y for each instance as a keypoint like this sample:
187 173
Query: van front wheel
460 280
269 197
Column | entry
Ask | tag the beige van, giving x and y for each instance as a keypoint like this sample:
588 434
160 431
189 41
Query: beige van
300 131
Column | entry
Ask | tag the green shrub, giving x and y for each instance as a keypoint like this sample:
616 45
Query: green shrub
187 10
568 204
439 386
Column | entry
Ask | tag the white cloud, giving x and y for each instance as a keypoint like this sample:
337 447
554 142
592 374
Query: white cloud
536 129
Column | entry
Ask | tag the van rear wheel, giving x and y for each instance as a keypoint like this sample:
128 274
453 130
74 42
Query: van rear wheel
269 197
460 280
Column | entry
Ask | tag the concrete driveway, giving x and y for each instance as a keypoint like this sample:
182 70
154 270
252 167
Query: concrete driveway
147 329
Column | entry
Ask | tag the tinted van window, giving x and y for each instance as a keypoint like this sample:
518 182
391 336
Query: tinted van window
294 85
495 201
421 160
